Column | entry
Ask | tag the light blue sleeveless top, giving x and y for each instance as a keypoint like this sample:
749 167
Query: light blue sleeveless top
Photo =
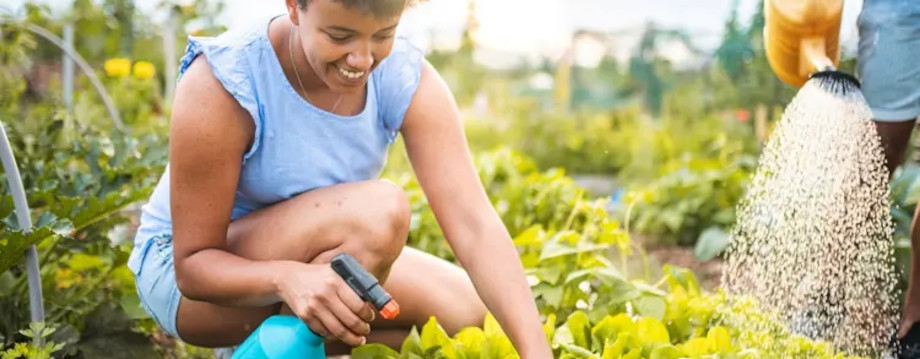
297 147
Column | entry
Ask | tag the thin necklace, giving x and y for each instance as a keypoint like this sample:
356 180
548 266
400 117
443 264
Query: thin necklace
297 74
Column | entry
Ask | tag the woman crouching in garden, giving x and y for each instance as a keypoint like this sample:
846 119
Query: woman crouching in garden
278 134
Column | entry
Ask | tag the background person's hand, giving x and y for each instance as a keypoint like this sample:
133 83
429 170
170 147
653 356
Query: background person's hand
322 299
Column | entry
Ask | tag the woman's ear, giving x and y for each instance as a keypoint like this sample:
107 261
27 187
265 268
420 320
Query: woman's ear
293 11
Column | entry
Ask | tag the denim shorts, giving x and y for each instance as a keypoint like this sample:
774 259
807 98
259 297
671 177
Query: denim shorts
889 58
155 278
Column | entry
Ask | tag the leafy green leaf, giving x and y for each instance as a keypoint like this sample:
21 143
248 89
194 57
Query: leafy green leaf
719 339
580 327
650 306
651 330
374 351
471 340
412 344
666 352
551 294
553 249
16 243
131 304
681 277
82 262
578 352
712 242
563 335
433 335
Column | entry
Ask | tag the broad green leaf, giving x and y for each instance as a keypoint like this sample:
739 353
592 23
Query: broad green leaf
471 340
651 330
498 347
374 351
665 352
719 339
621 291
696 347
580 327
577 275
614 349
608 274
651 306
549 273
412 344
491 326
529 237
6 282
711 242
433 335
611 327
123 276
82 262
13 250
554 249
563 335
635 353
648 289
682 277
578 352
131 304
549 327
551 294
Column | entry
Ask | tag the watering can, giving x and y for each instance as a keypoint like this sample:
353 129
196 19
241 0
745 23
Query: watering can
287 337
802 37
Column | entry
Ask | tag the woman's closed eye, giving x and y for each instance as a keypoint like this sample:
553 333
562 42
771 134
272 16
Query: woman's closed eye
339 37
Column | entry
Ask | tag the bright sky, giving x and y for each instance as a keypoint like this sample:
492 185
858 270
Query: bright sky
547 26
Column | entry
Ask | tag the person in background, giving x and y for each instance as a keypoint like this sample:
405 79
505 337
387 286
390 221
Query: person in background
889 70
278 134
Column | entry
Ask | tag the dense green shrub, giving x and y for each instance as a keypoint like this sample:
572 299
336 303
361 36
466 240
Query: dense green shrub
81 177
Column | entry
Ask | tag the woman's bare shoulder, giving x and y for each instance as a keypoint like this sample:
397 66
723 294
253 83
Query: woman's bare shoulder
204 107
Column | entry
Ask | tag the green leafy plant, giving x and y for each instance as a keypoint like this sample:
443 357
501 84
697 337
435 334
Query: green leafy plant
40 347
80 193
694 195
693 325
81 178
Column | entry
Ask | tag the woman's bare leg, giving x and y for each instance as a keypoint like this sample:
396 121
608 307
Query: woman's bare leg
370 221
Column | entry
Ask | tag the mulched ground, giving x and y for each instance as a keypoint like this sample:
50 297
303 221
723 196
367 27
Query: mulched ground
707 273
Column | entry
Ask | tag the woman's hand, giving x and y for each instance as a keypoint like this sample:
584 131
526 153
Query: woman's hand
319 297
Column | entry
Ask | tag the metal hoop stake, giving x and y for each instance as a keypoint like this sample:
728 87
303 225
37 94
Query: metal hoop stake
25 223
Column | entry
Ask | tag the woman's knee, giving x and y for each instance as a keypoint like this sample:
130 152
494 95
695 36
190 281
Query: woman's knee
390 222
376 235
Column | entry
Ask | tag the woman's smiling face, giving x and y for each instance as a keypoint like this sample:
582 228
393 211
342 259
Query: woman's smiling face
343 44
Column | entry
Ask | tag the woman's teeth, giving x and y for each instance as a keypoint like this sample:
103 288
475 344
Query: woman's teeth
350 74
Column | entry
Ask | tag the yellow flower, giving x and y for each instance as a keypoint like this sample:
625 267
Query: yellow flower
118 67
64 278
144 70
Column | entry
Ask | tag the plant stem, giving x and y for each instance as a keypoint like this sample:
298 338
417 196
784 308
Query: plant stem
568 222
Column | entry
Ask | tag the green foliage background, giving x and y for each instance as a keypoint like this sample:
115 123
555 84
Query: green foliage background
678 145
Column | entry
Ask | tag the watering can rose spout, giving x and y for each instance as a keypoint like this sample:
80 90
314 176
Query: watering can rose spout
802 37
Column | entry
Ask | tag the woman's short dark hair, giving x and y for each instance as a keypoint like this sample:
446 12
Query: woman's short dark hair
379 8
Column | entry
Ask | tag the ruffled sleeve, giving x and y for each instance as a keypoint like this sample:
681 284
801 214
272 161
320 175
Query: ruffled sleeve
228 59
397 79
